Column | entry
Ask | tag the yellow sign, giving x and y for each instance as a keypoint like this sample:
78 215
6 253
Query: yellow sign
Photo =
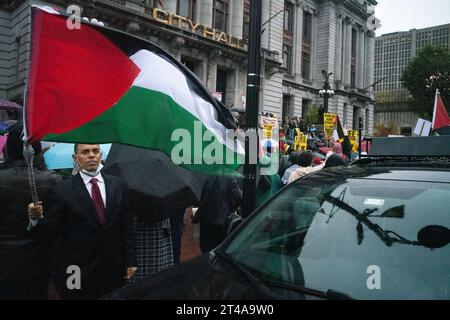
267 131
303 142
353 137
328 124
297 139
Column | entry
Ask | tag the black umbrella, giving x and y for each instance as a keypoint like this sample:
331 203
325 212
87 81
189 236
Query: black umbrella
158 187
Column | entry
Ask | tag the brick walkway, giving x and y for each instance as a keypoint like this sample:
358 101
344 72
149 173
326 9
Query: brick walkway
190 247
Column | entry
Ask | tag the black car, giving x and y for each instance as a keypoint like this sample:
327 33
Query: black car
378 229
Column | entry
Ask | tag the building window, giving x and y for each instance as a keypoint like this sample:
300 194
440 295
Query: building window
305 108
406 131
288 36
287 58
287 109
220 15
306 65
156 3
345 115
225 85
194 65
221 84
307 26
186 8
288 16
246 23
353 62
306 45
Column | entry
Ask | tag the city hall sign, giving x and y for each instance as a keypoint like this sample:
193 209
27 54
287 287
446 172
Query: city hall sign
183 23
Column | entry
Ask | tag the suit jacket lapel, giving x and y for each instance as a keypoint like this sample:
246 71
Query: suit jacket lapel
86 201
109 187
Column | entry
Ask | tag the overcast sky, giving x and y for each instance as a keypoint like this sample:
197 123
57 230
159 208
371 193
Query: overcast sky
403 15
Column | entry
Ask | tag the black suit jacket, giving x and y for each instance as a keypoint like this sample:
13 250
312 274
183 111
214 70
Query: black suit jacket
102 251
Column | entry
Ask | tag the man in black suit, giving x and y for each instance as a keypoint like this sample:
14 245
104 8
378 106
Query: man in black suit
89 215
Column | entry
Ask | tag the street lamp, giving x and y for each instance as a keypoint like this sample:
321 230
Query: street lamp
326 93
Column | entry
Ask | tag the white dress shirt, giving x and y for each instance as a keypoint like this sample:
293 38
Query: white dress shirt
100 181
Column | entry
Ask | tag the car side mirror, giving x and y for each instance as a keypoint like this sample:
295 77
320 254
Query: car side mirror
232 222
434 237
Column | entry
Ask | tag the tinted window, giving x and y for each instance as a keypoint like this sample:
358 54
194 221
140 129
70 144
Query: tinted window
352 236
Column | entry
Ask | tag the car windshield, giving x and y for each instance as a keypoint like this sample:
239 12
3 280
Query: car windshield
356 236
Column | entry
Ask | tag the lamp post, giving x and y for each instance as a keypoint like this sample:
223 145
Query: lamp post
326 92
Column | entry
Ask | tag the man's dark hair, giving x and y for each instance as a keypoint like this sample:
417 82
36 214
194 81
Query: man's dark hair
293 157
305 159
75 147
333 161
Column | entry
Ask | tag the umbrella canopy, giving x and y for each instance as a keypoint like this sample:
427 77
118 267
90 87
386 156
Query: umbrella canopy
60 155
6 104
158 187
3 126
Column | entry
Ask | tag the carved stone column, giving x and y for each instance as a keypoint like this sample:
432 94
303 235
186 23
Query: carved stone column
370 56
237 18
170 5
338 54
347 51
206 11
360 69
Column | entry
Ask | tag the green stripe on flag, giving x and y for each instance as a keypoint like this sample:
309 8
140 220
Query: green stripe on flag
147 119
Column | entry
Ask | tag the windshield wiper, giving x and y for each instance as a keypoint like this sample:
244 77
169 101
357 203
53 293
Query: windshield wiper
254 281
330 294
262 285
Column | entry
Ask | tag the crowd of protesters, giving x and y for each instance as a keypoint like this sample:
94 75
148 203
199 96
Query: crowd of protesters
321 152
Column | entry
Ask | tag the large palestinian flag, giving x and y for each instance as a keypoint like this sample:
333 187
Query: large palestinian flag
98 85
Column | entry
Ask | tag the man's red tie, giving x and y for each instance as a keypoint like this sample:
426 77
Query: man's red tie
97 200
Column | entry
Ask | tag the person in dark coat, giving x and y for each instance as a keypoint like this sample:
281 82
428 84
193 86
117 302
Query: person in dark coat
89 214
334 161
220 197
24 260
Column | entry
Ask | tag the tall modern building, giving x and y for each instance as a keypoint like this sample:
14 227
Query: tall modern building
393 52
301 41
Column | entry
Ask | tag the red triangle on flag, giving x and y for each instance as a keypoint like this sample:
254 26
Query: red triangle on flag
440 115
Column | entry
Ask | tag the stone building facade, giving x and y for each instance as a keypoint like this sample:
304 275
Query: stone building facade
301 39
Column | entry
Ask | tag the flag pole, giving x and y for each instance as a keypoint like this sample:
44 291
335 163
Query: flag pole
28 151
252 105
359 137
434 109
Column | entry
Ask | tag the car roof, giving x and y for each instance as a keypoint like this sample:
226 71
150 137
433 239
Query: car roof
404 173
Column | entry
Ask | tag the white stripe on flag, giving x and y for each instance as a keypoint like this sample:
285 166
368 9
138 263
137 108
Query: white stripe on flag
335 135
160 75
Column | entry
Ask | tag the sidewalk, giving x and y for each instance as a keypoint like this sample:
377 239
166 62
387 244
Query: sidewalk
190 247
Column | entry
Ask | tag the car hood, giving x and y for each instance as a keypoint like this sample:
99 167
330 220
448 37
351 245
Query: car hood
183 281
192 280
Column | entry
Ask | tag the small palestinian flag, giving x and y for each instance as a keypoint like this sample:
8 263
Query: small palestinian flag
338 133
98 85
